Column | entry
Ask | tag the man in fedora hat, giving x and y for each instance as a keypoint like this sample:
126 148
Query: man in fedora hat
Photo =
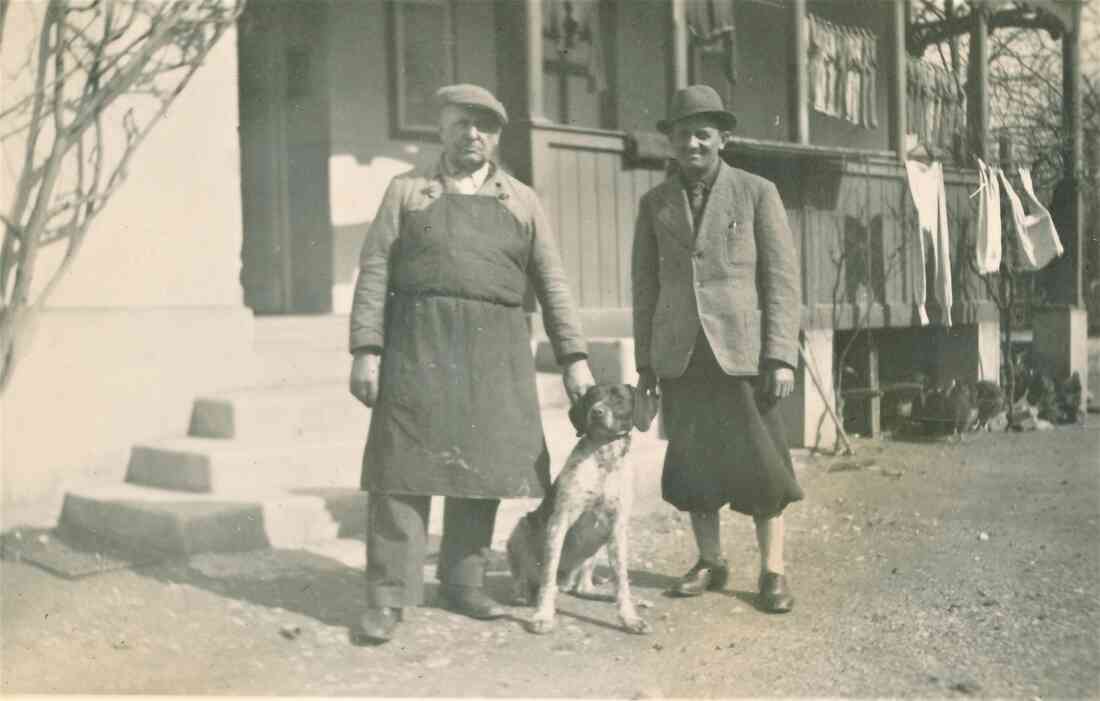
716 321
442 354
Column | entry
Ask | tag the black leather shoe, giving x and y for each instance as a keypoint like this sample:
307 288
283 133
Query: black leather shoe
774 595
376 626
704 576
472 602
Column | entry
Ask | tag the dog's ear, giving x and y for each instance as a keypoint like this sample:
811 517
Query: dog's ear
578 413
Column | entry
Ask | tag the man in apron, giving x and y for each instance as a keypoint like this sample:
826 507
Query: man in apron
442 354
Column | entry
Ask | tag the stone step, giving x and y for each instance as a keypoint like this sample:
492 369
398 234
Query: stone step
321 410
211 465
324 409
181 523
192 495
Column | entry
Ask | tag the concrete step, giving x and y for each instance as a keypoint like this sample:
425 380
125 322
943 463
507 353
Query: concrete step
191 495
324 409
212 465
179 523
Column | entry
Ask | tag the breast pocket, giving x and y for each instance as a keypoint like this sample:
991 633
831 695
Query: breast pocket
740 248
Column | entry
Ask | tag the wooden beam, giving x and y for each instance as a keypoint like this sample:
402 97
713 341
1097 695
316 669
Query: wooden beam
923 34
532 35
874 401
899 94
1071 97
977 90
800 85
680 48
1073 148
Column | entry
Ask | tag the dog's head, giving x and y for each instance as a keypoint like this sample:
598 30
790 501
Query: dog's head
604 412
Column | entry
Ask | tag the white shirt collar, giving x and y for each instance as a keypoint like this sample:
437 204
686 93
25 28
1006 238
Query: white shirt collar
467 184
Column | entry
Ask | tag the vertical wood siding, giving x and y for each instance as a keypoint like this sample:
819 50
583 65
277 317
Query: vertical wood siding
592 198
853 223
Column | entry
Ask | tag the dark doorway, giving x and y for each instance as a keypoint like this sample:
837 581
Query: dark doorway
287 251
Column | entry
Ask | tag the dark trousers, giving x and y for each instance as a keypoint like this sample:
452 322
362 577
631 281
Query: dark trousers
397 544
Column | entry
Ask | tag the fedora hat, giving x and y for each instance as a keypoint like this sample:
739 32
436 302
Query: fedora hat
697 99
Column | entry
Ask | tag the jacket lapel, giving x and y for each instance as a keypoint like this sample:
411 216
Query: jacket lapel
721 210
674 215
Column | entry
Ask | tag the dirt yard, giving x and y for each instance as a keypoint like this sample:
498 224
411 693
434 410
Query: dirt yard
920 570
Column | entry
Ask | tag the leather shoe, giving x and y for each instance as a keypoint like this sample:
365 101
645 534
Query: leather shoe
704 576
376 626
774 595
472 602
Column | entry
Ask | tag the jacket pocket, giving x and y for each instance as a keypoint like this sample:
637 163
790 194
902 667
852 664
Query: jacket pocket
740 247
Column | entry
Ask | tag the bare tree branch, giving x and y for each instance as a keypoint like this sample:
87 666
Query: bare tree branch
89 56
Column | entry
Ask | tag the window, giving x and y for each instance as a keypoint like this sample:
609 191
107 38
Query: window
576 37
423 54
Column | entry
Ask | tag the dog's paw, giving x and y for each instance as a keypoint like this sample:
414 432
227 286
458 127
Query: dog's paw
637 626
540 625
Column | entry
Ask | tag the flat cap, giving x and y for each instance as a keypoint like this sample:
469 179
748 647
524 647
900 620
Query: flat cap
469 95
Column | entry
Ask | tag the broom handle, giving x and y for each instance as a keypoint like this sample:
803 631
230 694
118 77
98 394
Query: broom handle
821 392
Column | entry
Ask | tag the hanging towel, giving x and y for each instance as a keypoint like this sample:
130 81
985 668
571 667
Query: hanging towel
930 199
987 253
870 70
1035 233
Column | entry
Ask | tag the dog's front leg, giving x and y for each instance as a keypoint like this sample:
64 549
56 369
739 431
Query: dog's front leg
617 551
542 621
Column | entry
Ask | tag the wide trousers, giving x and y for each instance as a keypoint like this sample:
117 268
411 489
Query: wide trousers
397 545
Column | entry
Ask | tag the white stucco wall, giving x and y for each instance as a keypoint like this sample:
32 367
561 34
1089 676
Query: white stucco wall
149 316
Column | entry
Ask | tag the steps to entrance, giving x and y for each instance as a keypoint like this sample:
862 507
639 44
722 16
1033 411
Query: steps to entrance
272 465
183 523
211 465
281 413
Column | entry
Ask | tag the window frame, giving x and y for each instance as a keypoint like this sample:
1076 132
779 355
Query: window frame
401 126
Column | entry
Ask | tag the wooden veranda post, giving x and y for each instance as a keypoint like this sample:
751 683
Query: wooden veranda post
1072 293
680 45
900 81
800 85
977 87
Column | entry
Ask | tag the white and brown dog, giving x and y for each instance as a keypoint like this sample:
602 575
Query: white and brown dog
587 508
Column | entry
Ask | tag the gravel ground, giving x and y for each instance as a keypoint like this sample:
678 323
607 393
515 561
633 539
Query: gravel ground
920 570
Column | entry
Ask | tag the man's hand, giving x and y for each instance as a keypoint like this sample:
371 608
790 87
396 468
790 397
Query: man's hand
364 377
577 378
781 382
647 383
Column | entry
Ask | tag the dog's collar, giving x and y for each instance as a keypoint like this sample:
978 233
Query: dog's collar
617 436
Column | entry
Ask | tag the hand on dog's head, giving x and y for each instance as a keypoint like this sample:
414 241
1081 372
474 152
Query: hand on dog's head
605 412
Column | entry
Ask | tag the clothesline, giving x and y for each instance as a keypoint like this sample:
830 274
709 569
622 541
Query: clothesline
842 63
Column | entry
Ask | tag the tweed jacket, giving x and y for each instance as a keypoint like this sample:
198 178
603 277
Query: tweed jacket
416 190
738 279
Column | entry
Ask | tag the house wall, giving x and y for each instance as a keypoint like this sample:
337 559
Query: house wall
364 150
150 314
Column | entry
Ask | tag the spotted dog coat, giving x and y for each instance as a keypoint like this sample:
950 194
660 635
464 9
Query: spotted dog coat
587 508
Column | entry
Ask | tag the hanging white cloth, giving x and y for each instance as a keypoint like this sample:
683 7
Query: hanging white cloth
930 199
1035 232
987 252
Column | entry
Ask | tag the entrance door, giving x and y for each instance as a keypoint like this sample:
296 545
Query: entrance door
287 252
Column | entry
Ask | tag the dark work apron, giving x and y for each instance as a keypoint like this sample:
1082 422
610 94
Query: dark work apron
457 413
